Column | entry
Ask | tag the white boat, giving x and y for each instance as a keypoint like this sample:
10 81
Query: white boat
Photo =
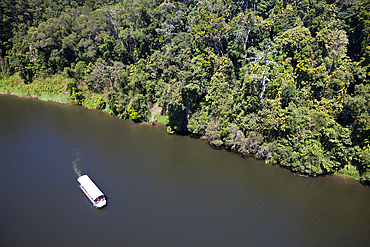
92 191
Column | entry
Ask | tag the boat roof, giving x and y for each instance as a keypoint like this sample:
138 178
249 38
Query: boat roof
90 187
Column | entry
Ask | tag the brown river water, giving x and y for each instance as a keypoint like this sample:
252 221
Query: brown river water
162 190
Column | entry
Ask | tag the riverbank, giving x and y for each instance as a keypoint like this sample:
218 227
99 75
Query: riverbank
48 89
55 89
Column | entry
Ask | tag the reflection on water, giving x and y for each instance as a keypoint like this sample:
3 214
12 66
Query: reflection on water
163 190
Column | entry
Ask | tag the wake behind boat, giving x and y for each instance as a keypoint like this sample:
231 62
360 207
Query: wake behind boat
92 191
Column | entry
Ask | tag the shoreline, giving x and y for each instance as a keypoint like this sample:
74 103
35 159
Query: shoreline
60 101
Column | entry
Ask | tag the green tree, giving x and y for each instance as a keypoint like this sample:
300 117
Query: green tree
209 31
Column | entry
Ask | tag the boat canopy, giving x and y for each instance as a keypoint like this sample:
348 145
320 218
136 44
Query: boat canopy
89 186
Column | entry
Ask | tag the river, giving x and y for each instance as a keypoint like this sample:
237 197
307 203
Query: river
162 190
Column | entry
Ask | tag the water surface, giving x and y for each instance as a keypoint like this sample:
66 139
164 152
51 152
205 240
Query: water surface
162 190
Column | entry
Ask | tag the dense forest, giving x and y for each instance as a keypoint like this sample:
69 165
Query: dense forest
285 81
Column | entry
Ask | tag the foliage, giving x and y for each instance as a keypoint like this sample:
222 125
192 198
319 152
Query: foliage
284 81
99 103
49 89
350 171
75 93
